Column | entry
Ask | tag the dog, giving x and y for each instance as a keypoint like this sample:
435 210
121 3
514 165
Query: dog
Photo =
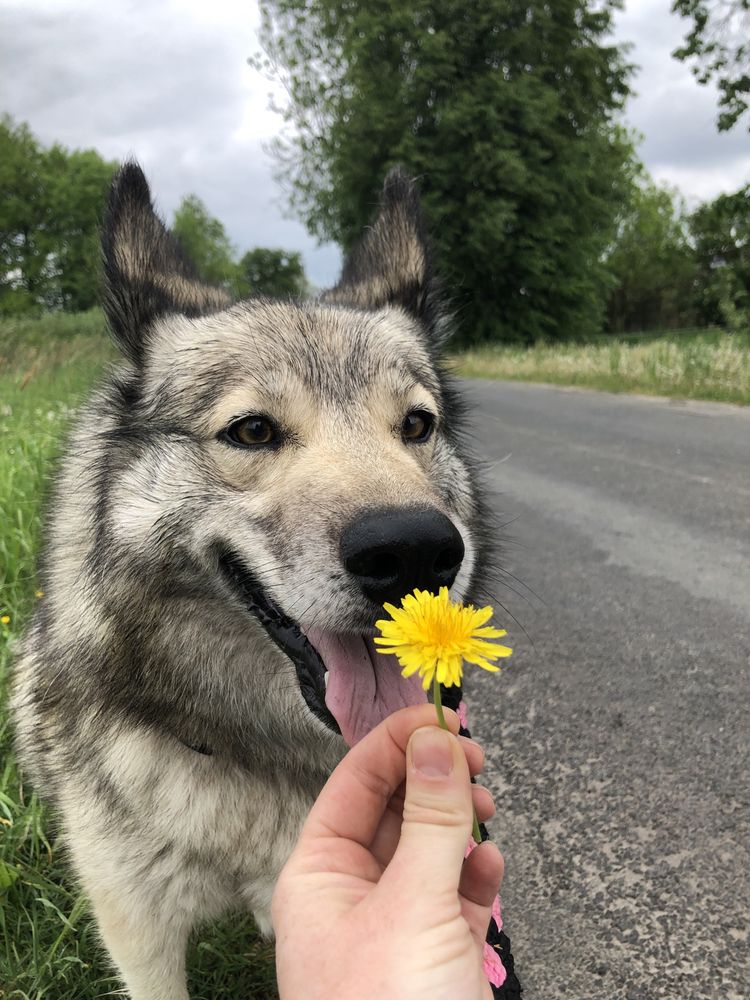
236 502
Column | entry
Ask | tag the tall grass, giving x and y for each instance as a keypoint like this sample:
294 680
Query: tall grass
692 365
48 942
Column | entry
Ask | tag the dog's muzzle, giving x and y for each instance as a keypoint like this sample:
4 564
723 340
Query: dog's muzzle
345 681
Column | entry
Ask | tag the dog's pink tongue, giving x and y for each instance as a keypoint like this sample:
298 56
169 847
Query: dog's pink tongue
364 686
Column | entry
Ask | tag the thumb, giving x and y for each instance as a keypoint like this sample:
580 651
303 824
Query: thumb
437 814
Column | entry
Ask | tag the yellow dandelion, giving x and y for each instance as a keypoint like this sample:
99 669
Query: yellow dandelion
38 594
5 620
433 636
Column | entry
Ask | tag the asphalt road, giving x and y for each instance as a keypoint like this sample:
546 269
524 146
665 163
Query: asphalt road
618 734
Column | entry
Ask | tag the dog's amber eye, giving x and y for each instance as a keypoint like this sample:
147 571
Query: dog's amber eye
252 432
417 426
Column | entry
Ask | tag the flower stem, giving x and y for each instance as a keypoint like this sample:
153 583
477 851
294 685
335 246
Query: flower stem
437 699
438 702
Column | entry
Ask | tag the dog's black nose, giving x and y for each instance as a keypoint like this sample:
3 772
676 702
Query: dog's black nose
393 550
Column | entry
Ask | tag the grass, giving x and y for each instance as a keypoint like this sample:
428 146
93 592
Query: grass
689 364
48 942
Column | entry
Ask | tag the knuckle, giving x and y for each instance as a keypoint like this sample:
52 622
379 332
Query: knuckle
441 812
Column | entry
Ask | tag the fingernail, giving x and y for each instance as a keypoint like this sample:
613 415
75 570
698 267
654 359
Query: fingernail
432 752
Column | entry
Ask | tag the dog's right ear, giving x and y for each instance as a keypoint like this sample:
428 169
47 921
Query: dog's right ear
146 274
392 262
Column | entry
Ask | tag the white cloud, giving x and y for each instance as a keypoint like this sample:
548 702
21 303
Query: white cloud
677 116
705 182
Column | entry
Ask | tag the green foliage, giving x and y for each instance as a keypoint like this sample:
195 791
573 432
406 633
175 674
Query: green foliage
674 269
50 212
652 262
205 241
503 110
719 44
77 188
275 273
23 261
720 232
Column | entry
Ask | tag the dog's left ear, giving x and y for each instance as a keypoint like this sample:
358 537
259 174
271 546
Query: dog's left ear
391 264
146 274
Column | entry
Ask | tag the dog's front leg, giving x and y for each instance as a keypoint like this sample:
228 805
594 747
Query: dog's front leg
147 945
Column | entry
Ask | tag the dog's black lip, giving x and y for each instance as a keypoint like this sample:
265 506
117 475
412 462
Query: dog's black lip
284 632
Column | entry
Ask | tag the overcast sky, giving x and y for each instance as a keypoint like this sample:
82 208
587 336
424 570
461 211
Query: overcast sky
167 81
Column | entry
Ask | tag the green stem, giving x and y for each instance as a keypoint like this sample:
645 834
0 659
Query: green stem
437 699
438 702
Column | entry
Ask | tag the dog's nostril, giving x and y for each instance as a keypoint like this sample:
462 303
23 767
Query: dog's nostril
391 552
448 561
375 565
385 566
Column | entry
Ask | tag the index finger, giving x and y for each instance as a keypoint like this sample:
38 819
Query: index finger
357 794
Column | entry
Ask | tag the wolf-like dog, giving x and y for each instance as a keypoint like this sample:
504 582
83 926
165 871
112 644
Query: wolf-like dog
235 504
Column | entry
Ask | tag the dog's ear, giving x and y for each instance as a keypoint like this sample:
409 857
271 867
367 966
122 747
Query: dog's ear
146 274
391 264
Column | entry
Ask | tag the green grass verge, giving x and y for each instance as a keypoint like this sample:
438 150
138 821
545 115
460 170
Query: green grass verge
48 942
691 364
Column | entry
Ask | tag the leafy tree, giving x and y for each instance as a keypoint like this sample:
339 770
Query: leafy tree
205 242
719 42
76 186
50 211
720 233
653 262
260 271
275 273
23 209
503 110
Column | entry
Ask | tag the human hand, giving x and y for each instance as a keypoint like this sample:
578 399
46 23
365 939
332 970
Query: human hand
377 900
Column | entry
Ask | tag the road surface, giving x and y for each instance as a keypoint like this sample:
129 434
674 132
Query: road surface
617 735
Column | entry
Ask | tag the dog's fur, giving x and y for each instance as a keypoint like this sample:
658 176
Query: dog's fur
153 710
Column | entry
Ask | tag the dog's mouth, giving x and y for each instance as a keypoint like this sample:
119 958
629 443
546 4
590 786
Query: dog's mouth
344 680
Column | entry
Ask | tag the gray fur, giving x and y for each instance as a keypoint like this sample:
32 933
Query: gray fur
140 650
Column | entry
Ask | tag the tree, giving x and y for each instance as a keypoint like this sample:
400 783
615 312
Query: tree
205 241
719 42
50 210
653 263
275 273
261 271
76 186
503 110
720 232
23 211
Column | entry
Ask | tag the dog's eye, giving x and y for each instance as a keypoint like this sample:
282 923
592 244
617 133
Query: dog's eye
252 432
417 426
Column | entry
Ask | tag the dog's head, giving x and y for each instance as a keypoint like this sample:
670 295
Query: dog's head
299 460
